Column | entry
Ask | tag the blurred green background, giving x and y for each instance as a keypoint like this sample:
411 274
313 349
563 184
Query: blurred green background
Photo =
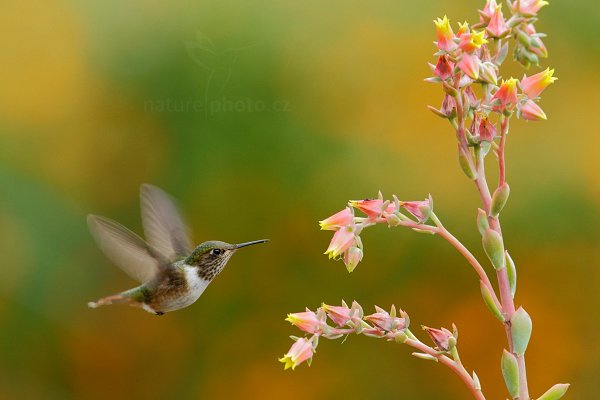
262 117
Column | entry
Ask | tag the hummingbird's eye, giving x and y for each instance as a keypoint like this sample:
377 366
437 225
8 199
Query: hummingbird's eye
216 252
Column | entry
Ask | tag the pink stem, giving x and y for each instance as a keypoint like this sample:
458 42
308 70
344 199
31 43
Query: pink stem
456 367
443 232
506 299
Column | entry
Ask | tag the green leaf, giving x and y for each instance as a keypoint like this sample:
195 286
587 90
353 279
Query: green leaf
520 327
494 248
510 372
489 302
555 392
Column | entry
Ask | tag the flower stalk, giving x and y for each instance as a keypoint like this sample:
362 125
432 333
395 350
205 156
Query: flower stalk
471 57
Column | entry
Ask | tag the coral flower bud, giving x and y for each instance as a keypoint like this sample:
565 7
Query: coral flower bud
528 8
448 108
533 85
488 10
338 220
497 26
445 35
300 351
373 208
306 321
352 257
342 240
442 338
531 111
383 320
469 64
506 95
421 210
443 68
340 315
487 130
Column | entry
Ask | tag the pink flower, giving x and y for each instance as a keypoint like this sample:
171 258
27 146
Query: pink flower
469 64
506 96
488 10
340 315
533 85
472 41
352 257
373 208
338 220
497 26
531 111
300 351
306 321
487 130
445 35
383 320
443 338
448 106
528 7
444 68
470 98
342 240
421 210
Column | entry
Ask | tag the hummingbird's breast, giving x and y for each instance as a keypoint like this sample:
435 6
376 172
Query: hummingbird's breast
187 289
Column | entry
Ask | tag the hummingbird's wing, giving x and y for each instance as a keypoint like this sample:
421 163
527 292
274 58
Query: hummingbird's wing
126 249
163 226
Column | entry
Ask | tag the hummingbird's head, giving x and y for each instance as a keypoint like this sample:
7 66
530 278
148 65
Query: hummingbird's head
210 257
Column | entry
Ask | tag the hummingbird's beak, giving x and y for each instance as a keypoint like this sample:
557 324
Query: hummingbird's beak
237 246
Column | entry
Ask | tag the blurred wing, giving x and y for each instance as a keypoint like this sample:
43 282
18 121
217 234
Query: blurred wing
163 226
123 247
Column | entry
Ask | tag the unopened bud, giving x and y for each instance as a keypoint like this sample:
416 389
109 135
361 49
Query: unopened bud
494 248
487 72
482 221
524 38
520 328
489 302
511 270
499 199
510 372
555 392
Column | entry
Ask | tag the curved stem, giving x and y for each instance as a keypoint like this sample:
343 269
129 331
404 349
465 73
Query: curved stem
443 232
456 367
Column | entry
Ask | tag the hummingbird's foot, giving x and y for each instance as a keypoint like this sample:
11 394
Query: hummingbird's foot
159 313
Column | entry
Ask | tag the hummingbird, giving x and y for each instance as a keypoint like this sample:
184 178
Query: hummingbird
171 273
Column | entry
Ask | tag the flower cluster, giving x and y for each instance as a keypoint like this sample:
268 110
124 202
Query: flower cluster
346 243
474 54
344 321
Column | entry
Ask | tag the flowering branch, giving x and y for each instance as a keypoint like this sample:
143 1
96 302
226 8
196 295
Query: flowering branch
466 59
381 324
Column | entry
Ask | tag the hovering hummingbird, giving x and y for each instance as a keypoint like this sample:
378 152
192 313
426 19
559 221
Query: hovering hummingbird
172 275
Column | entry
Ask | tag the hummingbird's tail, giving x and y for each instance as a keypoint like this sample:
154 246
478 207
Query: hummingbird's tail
105 301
